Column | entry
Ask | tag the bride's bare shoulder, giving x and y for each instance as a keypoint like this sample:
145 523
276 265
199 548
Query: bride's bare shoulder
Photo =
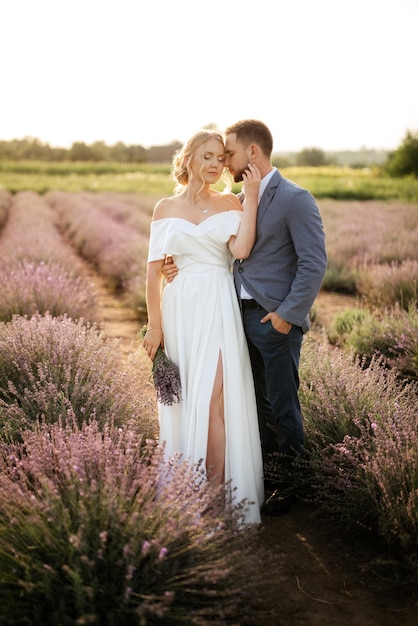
165 208
230 201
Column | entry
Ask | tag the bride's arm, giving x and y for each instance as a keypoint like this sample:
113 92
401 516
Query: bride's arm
154 335
242 243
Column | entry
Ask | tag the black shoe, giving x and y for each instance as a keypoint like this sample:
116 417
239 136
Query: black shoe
277 504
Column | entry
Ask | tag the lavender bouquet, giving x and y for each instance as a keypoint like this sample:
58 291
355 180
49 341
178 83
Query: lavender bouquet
165 375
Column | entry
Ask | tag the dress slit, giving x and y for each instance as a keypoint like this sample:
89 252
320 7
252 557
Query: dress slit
216 440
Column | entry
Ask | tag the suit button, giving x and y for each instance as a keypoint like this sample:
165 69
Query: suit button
240 269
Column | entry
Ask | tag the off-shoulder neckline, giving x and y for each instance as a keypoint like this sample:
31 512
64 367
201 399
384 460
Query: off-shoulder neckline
182 219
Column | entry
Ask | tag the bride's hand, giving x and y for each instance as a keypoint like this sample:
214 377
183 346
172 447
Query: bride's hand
152 341
251 177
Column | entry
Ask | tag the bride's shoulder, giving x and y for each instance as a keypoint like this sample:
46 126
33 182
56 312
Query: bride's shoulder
164 208
230 201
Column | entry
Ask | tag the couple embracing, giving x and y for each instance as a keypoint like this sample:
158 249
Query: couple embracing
236 337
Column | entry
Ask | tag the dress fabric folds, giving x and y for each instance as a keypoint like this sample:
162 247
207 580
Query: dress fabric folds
201 320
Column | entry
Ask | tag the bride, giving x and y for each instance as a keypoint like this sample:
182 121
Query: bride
197 320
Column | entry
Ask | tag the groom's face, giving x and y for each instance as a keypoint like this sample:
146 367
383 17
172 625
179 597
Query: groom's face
237 157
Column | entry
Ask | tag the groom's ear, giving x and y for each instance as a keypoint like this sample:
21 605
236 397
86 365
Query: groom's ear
253 152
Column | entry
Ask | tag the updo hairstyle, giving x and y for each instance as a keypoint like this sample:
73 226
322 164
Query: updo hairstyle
179 167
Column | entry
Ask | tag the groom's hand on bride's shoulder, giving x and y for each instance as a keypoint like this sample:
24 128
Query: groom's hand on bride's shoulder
169 269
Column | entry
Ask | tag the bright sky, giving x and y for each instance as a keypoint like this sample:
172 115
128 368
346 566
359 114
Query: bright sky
334 74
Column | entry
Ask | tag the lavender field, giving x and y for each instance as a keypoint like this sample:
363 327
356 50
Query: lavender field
78 439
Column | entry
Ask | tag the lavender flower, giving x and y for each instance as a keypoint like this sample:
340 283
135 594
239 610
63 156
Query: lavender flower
97 527
165 375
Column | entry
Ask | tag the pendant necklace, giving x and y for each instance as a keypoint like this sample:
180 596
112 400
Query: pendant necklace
205 210
206 206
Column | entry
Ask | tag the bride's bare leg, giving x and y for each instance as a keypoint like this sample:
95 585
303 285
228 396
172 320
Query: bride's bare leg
215 459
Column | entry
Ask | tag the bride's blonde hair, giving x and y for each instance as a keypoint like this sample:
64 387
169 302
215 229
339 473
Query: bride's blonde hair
179 169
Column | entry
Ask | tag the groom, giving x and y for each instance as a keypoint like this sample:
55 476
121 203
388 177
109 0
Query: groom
276 286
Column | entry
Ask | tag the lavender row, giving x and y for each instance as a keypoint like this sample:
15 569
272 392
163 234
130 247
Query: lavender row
38 271
55 368
371 246
112 233
95 528
361 465
372 250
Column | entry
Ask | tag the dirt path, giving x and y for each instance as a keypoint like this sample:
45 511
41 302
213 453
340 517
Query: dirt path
320 580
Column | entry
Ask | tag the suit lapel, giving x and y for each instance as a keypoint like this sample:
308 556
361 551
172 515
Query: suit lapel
268 195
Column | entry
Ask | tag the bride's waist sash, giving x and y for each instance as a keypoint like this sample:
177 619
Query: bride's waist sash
202 268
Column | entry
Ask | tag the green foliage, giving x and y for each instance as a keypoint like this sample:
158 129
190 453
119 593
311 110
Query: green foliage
323 182
31 148
90 176
283 159
392 333
343 183
339 278
347 320
404 160
82 168
366 157
311 157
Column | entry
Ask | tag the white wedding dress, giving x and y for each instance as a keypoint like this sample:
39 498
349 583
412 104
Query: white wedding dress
201 318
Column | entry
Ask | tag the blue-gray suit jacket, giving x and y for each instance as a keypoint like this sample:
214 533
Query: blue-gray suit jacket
285 269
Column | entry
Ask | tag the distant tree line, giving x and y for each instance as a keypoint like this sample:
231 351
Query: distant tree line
315 157
32 149
401 162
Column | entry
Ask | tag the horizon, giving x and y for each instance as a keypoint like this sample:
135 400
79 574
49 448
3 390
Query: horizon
174 141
